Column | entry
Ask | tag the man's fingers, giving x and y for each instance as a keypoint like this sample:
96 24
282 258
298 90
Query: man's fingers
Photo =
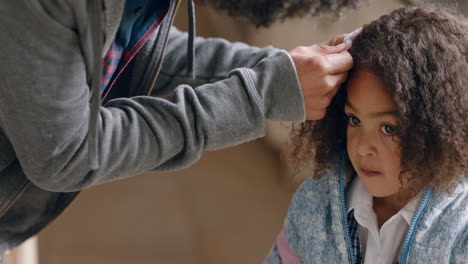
337 40
353 34
321 71
317 105
339 62
336 80
323 99
325 49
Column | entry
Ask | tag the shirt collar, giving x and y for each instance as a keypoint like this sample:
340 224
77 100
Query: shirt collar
410 208
357 198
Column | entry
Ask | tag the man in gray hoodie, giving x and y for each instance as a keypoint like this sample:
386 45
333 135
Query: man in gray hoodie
98 90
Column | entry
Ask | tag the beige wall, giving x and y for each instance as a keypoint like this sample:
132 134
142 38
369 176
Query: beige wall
227 208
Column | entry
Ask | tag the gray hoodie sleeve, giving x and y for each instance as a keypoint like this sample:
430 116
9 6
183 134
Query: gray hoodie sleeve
215 58
44 107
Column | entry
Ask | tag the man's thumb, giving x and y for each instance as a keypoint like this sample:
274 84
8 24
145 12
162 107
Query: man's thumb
333 49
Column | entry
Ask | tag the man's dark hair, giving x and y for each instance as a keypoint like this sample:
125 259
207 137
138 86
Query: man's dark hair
265 12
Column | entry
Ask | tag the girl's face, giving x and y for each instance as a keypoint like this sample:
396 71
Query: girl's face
371 142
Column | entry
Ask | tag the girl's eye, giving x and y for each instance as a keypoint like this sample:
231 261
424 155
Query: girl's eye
354 121
388 130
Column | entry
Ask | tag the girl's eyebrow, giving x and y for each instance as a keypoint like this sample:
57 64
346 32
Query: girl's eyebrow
374 114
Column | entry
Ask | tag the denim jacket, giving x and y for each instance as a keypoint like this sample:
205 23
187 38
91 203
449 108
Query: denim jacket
316 227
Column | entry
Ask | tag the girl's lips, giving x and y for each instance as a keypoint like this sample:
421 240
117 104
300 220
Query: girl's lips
369 173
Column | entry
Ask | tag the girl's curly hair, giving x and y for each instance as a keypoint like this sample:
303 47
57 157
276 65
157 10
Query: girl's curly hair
421 54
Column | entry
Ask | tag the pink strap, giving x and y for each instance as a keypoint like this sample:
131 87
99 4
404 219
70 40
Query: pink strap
285 252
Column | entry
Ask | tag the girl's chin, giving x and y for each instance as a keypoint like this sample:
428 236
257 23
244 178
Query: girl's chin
378 190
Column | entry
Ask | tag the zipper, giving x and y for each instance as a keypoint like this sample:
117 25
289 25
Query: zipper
160 63
18 195
27 182
351 256
104 36
414 222
89 46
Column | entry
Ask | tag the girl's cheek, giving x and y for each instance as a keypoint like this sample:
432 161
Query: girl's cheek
392 144
351 133
392 150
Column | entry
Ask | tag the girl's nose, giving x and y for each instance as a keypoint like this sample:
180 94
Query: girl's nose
365 144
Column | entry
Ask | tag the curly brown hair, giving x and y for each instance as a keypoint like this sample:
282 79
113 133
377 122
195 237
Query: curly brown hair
421 54
263 13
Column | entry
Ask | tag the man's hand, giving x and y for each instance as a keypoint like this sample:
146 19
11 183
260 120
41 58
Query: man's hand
344 38
321 70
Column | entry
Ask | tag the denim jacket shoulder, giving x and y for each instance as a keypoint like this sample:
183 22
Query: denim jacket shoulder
314 227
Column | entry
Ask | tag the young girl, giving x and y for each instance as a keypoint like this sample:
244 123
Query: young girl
391 153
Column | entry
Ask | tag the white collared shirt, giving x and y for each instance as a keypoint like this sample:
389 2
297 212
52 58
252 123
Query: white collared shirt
378 247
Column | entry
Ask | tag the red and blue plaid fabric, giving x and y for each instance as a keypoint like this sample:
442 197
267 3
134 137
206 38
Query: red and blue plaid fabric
139 20
355 243
111 62
353 231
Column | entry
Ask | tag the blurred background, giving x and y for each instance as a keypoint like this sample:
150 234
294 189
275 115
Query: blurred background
227 208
